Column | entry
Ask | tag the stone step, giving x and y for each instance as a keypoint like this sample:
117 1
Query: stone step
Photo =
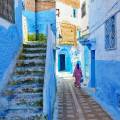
27 72
33 54
24 89
24 57
28 81
25 96
24 77
34 51
31 60
24 69
29 64
26 104
23 114
16 100
33 45
20 86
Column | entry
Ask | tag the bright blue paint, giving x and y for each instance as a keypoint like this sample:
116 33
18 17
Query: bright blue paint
50 80
86 66
68 63
108 83
10 41
92 80
40 19
30 16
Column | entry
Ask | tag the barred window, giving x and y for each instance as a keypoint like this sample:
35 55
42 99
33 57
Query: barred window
110 34
7 10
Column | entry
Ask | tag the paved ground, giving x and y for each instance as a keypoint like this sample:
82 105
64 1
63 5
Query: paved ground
75 104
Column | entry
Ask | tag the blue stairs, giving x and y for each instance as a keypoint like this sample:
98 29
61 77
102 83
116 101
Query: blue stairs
22 97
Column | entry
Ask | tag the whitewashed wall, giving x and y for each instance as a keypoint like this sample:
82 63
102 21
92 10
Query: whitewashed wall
84 20
100 11
66 13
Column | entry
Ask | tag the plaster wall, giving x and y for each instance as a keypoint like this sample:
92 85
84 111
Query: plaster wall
66 14
10 43
107 62
84 20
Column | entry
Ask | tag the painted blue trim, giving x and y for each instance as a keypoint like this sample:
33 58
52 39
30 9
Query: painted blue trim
93 69
40 20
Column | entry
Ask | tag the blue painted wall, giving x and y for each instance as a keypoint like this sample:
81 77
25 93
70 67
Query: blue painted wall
86 63
40 20
108 82
10 41
30 16
50 79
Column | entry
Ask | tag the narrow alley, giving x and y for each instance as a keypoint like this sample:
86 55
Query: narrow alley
44 43
75 104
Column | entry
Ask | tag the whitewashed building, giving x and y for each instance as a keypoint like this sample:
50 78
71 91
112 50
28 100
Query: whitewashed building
104 28
68 31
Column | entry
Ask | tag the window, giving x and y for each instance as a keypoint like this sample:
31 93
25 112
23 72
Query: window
110 34
83 10
7 10
74 13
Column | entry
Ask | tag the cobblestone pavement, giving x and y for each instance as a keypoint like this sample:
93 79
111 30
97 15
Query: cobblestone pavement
75 104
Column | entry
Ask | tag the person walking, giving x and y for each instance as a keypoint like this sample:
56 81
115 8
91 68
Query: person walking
78 75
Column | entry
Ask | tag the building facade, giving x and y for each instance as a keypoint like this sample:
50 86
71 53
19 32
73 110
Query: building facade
39 18
10 36
38 15
68 30
104 27
84 31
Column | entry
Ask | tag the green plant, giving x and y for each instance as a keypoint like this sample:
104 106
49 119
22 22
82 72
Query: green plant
40 37
32 37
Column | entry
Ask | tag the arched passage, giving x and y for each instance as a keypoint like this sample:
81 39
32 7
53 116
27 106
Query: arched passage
64 60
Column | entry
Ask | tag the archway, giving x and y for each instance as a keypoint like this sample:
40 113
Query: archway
62 62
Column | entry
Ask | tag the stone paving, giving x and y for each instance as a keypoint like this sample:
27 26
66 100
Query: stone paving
76 104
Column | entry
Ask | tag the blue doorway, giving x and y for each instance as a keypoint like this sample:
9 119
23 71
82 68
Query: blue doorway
62 62
93 84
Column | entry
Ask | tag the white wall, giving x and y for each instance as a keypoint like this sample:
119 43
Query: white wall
101 10
66 13
84 20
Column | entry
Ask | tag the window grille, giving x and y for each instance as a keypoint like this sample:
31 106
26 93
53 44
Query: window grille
7 10
110 34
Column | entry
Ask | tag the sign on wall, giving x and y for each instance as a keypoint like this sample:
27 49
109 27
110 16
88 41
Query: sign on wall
68 34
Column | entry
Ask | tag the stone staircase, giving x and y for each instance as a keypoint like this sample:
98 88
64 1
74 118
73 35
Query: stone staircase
24 92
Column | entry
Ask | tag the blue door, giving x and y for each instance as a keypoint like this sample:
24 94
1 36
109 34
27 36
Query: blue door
93 68
62 62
